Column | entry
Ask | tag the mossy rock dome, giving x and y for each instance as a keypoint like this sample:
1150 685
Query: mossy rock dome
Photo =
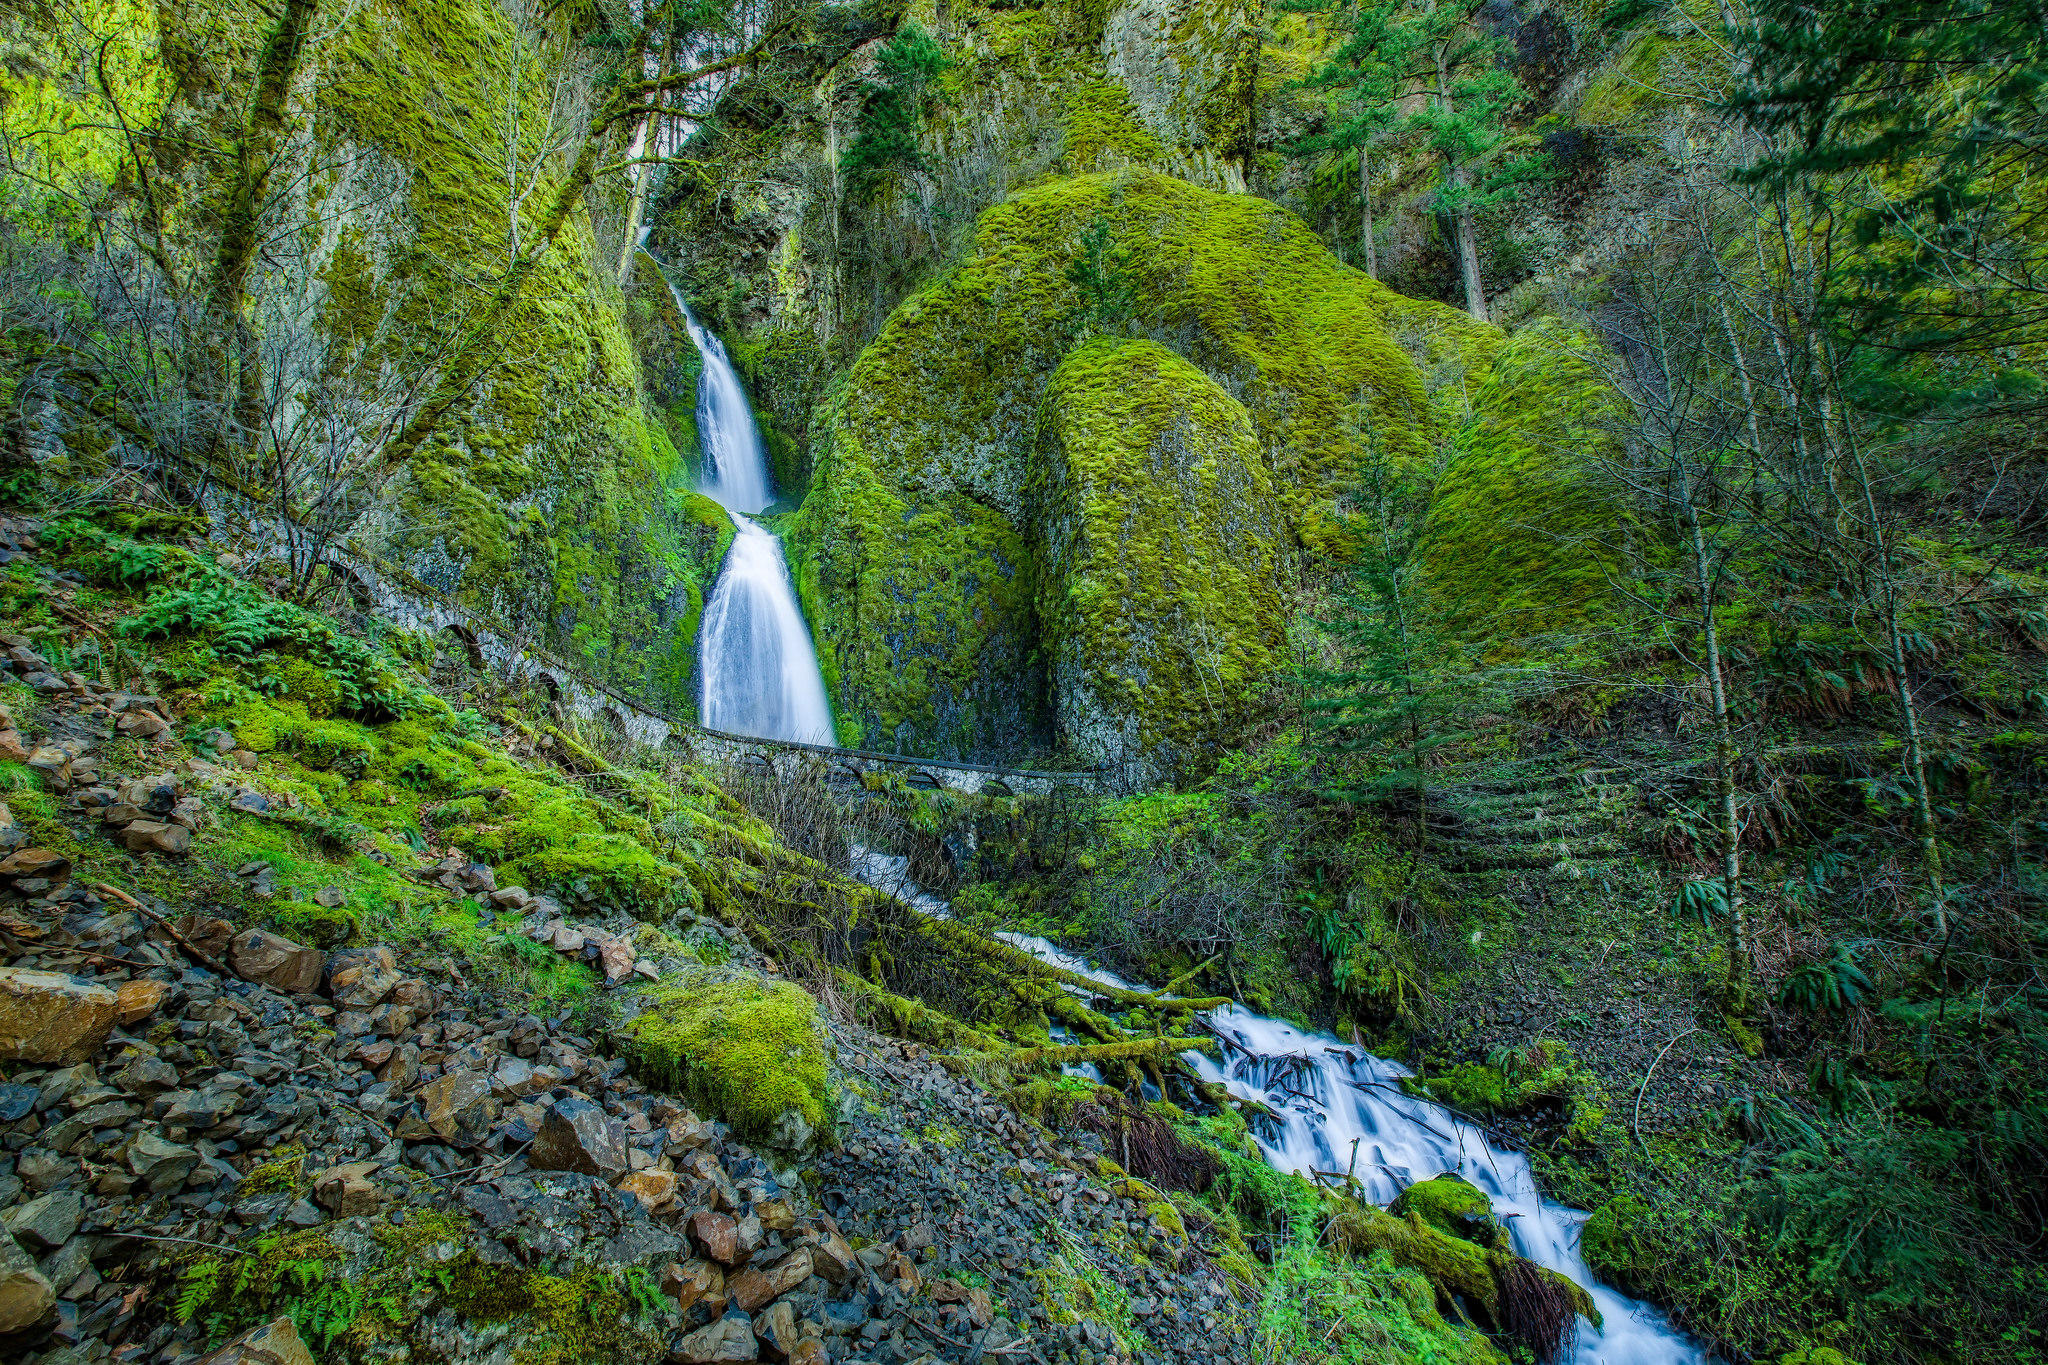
1452 1205
751 1051
1010 509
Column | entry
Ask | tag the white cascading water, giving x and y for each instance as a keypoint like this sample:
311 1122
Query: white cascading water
1333 1099
759 671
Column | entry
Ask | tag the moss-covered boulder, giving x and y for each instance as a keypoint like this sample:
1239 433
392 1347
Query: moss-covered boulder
917 551
1615 1244
751 1051
1452 1205
1157 536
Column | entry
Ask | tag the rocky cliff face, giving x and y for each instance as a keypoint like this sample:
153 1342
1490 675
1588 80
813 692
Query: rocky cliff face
554 495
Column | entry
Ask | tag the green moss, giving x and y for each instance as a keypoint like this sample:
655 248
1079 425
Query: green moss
914 550
752 1051
1454 1206
1615 1243
1518 534
1102 130
1158 555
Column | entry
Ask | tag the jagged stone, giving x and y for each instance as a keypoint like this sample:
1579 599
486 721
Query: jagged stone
153 836
160 1163
276 961
52 1018
695 1279
652 1188
576 1135
347 1190
274 1343
458 1107
716 1235
728 1339
26 1297
777 1330
47 1222
752 1288
35 862
136 1000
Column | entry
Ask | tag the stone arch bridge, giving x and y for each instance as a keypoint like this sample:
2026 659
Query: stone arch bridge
464 638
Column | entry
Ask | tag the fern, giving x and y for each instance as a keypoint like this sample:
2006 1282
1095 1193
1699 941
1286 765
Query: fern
197 1287
1837 984
1700 899
645 1295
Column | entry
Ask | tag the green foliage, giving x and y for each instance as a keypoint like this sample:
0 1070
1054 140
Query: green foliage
1938 177
1838 983
893 109
1101 272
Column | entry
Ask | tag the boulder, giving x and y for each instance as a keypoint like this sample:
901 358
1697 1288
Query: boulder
458 1108
274 1343
154 836
52 1018
810 1351
275 961
26 1298
579 1136
833 1259
724 1340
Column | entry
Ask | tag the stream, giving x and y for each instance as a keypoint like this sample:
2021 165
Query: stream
1333 1099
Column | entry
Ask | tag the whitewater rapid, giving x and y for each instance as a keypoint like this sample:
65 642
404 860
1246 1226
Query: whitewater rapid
1338 1109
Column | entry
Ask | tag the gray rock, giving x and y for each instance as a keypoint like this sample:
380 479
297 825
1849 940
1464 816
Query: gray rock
578 1136
26 1296
45 1223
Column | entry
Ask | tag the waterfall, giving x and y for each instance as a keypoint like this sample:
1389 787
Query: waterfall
759 671
1339 1109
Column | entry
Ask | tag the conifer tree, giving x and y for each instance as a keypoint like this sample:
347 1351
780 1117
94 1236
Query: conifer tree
1442 54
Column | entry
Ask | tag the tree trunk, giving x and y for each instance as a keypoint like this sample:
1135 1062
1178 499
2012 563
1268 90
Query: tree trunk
1365 232
1727 821
1468 262
644 137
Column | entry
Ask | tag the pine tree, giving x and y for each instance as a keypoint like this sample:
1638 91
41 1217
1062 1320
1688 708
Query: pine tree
1404 682
1442 54
1921 126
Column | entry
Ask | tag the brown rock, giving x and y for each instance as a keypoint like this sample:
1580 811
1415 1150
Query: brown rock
120 815
12 750
904 1271
189 813
141 725
206 933
26 1298
751 1288
810 1351
136 1000
776 1215
714 1233
362 985
35 862
579 1136
616 956
458 1107
687 1134
691 1281
651 1188
980 1309
274 960
724 1340
274 1343
777 1331
54 764
403 1068
51 1018
154 836
415 995
834 1260
347 1190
